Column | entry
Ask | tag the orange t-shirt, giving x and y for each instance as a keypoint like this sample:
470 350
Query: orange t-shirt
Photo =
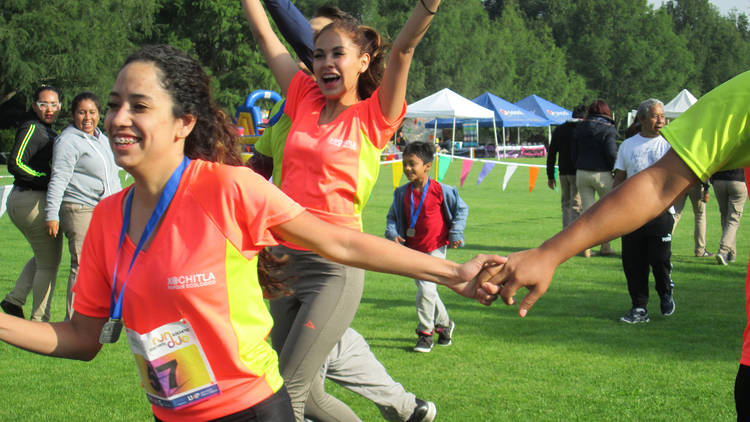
201 266
330 169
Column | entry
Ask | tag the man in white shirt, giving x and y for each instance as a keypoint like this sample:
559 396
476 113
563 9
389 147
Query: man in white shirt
649 247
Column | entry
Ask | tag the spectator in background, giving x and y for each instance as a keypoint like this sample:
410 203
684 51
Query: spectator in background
595 154
83 172
650 246
698 195
731 194
562 144
29 162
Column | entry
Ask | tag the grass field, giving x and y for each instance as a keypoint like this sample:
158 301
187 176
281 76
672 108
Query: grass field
570 359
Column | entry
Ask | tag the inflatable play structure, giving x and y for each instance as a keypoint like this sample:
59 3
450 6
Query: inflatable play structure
249 116
250 119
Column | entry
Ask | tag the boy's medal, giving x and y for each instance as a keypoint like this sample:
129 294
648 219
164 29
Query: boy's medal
110 331
410 232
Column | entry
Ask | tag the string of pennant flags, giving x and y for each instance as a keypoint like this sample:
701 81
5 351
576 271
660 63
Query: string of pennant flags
444 161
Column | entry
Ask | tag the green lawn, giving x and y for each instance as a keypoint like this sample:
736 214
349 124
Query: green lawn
570 359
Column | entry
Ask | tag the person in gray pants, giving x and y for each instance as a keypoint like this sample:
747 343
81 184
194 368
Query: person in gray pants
352 365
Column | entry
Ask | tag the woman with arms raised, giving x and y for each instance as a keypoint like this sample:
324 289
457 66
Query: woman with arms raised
341 119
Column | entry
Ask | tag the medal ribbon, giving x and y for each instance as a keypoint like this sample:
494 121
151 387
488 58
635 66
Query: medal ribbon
161 207
412 214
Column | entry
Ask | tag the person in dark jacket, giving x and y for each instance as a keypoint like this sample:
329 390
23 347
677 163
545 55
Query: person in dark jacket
595 152
29 163
731 194
562 144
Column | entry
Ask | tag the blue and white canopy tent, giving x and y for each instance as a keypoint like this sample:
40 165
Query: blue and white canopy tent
509 114
547 110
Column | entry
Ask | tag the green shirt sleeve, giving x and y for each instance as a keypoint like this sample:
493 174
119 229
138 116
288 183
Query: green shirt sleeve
714 134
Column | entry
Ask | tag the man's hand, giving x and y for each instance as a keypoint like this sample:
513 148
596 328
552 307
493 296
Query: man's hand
551 183
468 272
400 240
532 269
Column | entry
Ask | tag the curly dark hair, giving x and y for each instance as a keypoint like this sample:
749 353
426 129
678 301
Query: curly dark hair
214 137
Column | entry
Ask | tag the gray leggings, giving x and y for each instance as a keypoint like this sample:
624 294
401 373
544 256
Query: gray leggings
309 323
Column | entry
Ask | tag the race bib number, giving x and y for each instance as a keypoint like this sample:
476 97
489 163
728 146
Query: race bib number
173 367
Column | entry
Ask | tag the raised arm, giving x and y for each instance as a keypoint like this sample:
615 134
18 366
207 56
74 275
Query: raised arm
374 253
620 212
393 88
279 60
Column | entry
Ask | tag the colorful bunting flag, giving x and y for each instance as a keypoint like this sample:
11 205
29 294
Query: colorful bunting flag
398 170
533 174
4 194
508 174
486 169
557 178
443 163
465 169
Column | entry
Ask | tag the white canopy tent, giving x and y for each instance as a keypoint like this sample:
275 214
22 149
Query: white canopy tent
679 104
446 104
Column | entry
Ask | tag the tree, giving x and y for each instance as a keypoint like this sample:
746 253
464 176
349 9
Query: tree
721 45
216 33
73 45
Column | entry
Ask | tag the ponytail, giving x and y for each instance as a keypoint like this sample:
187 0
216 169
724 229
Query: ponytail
372 77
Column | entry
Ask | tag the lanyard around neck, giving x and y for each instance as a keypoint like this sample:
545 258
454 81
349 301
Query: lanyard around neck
412 214
115 306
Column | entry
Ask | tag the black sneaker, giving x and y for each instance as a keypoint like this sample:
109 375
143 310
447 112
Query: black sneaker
424 412
12 309
445 334
424 343
635 316
722 259
667 304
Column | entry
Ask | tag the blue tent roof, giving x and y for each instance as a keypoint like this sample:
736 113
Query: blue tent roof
507 114
545 109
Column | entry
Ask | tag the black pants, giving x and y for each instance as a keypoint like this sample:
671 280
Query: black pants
277 408
742 394
648 248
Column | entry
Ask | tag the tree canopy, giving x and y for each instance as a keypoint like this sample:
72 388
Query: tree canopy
567 51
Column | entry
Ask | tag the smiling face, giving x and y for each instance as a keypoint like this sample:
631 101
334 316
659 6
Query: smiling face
143 131
50 102
337 65
415 169
652 122
86 116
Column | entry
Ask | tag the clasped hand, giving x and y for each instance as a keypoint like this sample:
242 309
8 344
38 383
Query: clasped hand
493 276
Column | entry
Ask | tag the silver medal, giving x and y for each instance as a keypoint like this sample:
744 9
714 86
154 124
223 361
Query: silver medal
110 331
